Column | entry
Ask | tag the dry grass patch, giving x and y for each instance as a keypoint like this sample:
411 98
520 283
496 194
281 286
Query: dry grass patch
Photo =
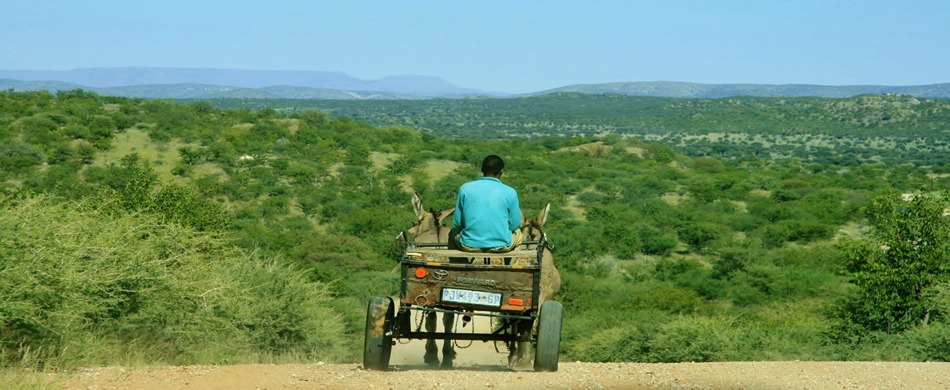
674 199
851 230
335 169
162 155
297 211
575 207
639 152
593 149
382 160
437 169
13 378
208 169
741 206
292 124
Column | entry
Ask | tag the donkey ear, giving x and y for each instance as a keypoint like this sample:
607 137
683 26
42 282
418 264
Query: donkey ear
543 215
445 214
417 205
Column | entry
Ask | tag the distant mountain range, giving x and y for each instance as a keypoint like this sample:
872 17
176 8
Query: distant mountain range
693 90
186 83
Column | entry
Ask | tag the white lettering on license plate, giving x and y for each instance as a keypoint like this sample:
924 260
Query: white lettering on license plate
471 297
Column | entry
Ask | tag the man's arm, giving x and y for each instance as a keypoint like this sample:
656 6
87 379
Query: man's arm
457 215
514 212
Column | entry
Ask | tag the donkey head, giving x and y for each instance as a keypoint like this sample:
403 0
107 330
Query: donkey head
532 228
430 226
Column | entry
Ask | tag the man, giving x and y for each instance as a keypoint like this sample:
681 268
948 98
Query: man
487 213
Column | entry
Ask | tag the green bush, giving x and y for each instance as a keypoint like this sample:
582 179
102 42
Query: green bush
612 336
17 156
733 259
618 344
901 261
804 230
931 342
85 285
698 235
665 297
693 339
773 235
656 242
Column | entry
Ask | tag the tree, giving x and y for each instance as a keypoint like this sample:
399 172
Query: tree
17 156
905 255
187 206
699 234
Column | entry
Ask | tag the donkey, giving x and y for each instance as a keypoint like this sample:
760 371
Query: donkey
550 284
431 228
550 278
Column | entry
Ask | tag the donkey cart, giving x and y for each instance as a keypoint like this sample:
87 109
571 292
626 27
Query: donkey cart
501 287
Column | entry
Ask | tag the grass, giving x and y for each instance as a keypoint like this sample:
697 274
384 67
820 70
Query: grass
575 207
381 160
434 169
674 199
16 379
437 169
205 169
163 155
851 229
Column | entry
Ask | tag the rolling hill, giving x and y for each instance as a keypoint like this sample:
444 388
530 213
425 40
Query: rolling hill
694 90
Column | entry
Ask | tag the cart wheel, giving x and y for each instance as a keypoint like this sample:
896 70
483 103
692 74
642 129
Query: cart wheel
378 344
549 336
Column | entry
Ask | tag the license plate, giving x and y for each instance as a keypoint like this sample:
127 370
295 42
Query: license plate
471 297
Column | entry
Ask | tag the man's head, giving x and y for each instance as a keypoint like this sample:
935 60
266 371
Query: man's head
493 166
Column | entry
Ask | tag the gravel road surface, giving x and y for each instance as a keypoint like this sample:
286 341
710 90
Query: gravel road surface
734 375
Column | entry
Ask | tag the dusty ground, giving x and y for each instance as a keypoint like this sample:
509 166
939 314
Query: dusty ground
748 375
481 366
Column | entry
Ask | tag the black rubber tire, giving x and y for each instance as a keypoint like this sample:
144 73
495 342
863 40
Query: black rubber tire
549 336
378 343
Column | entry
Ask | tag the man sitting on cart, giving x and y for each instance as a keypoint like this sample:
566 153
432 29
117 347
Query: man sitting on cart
487 213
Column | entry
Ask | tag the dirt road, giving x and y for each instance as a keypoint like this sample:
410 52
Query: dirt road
740 375
481 366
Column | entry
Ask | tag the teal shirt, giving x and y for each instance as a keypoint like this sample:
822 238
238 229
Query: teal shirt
487 211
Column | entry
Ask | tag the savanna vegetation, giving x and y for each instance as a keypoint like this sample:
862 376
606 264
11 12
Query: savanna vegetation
892 129
148 231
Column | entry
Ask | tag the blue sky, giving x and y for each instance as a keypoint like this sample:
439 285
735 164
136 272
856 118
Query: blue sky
506 46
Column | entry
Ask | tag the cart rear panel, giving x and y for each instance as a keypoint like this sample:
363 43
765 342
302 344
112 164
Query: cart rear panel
445 279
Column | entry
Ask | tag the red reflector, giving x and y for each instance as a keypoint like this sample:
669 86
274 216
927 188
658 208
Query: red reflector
515 302
421 273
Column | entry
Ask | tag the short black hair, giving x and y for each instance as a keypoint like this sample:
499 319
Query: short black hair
492 165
